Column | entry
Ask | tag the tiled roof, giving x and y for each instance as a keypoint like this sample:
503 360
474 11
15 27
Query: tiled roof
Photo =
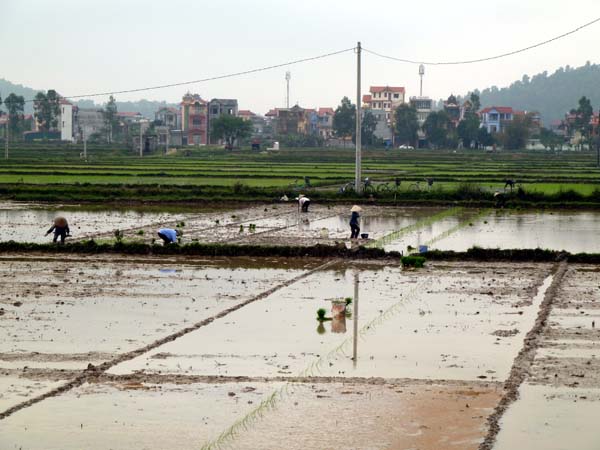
272 112
245 112
500 109
374 89
128 114
367 98
323 111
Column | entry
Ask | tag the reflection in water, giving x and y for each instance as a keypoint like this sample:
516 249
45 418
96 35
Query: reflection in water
321 328
355 321
338 324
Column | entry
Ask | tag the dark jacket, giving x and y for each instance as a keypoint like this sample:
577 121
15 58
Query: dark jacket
59 230
354 218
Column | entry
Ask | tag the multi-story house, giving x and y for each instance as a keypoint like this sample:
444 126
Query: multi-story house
386 98
325 122
194 120
218 107
168 117
453 109
258 122
65 120
495 118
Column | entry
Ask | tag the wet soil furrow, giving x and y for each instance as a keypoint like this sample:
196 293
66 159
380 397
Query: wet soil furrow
155 378
524 360
92 372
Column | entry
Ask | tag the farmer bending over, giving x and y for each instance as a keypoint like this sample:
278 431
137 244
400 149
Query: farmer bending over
303 202
60 228
169 235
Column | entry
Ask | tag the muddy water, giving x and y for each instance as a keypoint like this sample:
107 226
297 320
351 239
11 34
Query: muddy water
132 416
559 405
551 418
110 306
441 323
21 222
559 230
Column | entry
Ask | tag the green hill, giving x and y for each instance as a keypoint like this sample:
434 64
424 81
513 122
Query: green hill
552 95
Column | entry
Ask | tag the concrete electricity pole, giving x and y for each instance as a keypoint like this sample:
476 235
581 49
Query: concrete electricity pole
141 143
357 175
84 146
6 141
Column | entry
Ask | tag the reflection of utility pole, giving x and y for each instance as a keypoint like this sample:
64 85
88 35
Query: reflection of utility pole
355 321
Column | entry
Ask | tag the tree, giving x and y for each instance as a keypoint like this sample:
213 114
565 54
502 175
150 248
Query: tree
47 110
231 129
583 115
406 124
549 139
436 128
367 128
344 119
517 132
111 121
475 102
468 129
484 138
15 105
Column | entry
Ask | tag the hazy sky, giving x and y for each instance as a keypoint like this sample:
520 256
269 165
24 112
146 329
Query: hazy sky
79 47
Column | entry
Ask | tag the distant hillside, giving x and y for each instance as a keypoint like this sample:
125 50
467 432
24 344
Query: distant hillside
6 88
551 95
146 107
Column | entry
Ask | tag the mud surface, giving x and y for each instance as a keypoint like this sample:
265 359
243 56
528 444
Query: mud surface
558 404
115 352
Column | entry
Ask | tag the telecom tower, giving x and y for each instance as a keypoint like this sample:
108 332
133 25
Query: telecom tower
288 77
421 73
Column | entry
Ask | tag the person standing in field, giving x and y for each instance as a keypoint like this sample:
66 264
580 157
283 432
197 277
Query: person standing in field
169 235
355 221
303 202
60 227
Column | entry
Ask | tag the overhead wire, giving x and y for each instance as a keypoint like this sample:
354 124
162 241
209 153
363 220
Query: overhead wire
488 58
203 80
326 55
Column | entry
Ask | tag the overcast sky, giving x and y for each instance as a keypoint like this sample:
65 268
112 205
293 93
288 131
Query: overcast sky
79 47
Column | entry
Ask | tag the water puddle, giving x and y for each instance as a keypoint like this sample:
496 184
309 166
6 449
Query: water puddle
551 418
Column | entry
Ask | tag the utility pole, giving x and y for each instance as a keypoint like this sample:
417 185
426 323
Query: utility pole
141 144
6 141
84 147
288 77
357 175
167 142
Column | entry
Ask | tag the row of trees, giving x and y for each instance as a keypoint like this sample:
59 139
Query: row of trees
15 107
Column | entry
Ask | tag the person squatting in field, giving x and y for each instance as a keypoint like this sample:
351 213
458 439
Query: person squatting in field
60 227
169 235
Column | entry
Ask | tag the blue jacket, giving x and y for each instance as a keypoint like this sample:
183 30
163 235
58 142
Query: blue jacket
170 233
354 218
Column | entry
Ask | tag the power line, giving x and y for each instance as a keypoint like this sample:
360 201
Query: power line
489 58
203 80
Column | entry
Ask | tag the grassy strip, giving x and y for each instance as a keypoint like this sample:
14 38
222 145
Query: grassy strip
394 235
318 251
197 249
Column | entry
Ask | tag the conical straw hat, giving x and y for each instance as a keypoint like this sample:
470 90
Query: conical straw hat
60 222
356 208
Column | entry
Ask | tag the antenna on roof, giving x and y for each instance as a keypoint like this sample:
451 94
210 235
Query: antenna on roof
421 73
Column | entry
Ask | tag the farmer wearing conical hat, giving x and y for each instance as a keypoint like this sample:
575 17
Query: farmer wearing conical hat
355 221
60 228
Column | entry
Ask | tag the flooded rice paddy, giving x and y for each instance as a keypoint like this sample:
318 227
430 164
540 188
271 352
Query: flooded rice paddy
393 228
112 351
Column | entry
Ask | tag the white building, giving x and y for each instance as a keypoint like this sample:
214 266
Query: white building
66 121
